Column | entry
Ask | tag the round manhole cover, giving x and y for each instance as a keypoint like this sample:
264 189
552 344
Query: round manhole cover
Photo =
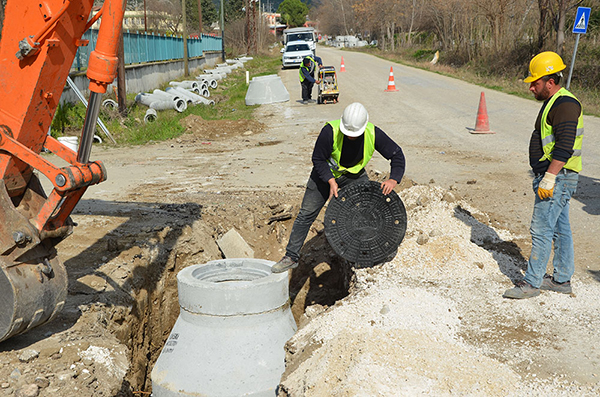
363 226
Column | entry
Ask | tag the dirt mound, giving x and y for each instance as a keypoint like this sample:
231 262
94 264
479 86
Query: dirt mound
199 129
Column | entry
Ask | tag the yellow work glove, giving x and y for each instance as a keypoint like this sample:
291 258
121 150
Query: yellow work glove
546 187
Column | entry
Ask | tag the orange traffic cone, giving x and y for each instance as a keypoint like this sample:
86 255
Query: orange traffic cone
391 85
482 125
342 68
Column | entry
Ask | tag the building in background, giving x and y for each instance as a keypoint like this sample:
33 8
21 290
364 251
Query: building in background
273 21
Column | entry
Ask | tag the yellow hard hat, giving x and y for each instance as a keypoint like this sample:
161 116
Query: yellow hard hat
544 64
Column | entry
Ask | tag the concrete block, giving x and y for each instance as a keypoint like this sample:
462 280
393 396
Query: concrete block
234 246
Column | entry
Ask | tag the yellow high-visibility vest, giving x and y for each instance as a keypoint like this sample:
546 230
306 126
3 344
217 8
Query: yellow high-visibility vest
548 141
338 139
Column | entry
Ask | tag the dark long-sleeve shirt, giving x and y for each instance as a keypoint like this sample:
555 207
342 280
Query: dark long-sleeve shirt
309 73
563 117
352 153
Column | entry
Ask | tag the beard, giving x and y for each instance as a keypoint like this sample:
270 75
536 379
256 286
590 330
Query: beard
543 94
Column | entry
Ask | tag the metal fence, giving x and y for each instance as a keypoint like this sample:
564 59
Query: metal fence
149 47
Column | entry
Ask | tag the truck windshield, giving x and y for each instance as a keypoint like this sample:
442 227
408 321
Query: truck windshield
300 37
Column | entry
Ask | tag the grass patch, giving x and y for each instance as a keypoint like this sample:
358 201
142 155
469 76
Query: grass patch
229 99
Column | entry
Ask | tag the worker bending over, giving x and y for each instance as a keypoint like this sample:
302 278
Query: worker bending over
307 76
555 158
343 149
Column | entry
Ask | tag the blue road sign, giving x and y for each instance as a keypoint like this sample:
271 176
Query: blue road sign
581 20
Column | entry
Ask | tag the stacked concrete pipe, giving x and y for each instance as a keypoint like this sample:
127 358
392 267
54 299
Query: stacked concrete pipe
209 79
192 97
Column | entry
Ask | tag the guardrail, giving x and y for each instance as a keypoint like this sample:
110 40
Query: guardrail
142 47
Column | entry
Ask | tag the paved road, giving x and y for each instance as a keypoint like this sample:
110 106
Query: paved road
430 117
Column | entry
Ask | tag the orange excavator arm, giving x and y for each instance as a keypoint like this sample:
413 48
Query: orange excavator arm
37 48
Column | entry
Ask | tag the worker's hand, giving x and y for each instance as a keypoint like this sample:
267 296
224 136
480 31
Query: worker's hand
318 81
388 186
546 187
333 188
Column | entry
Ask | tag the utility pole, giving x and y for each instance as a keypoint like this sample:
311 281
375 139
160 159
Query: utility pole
222 31
251 26
186 69
145 19
200 16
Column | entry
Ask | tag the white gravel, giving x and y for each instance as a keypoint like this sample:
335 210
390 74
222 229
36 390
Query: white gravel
433 321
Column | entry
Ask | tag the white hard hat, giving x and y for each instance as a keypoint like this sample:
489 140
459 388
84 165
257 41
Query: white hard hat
354 120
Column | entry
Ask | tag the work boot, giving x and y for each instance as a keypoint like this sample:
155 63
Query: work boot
548 284
284 264
305 102
522 290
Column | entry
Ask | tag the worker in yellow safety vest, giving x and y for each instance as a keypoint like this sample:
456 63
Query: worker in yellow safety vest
343 149
307 76
555 158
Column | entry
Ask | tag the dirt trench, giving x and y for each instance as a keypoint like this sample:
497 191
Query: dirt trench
322 278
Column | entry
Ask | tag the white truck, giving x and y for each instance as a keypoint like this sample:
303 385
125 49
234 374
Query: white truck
301 34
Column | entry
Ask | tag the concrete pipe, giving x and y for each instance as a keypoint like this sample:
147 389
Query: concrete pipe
209 82
221 72
184 84
183 94
196 98
226 69
205 93
229 339
146 99
165 95
160 102
236 62
209 76
150 116
203 86
180 103
163 104
110 104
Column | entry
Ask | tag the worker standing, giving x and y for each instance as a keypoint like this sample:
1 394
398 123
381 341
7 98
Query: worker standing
307 76
555 158
341 152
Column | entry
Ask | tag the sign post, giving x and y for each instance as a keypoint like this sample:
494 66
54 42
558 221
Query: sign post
580 27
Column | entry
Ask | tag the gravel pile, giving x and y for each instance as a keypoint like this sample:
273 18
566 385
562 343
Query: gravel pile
433 321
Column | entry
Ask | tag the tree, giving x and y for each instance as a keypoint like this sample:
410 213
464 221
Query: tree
166 16
332 20
293 12
209 14
234 10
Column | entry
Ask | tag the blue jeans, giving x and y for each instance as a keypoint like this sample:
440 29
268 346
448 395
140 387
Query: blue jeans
315 197
550 224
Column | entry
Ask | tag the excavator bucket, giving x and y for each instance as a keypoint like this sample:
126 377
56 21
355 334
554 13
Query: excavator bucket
31 293
33 281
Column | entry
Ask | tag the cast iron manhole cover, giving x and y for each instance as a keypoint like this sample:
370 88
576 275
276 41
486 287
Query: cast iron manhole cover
363 226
